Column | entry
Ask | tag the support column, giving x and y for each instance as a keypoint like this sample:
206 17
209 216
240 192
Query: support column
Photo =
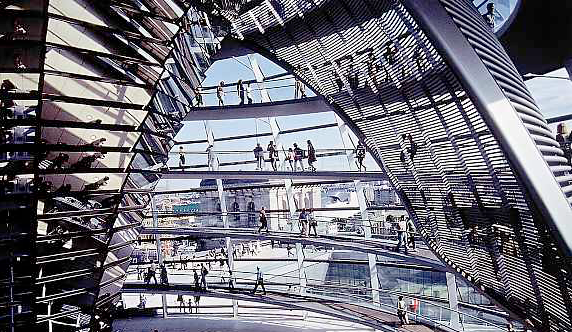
371 258
568 66
301 270
453 301
159 251
229 246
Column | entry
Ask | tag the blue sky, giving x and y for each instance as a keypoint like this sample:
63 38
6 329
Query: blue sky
552 95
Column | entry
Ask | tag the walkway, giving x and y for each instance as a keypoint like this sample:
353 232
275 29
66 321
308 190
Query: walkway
259 110
374 246
380 318
267 175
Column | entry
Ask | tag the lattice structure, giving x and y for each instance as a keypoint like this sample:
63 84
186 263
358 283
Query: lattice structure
443 110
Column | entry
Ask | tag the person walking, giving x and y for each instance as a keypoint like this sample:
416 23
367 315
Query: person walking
190 304
230 280
204 273
151 273
198 96
197 302
197 280
164 276
259 281
311 156
302 221
411 233
312 223
210 157
402 235
240 91
402 311
360 154
259 156
181 157
272 154
290 158
263 220
298 156
300 91
220 93
249 93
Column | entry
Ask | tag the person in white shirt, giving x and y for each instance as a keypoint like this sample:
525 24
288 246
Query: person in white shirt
402 235
151 272
402 311
259 280
220 93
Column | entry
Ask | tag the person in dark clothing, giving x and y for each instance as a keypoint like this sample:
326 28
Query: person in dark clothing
204 273
197 280
259 281
240 91
263 220
412 150
181 157
259 156
352 76
298 156
360 155
272 154
372 69
311 156
411 233
198 96
230 280
164 276
151 273
58 162
312 223
489 16
337 80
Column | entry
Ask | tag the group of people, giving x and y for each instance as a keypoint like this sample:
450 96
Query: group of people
307 222
295 156
152 271
405 234
244 93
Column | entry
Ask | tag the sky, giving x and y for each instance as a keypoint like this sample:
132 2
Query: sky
552 96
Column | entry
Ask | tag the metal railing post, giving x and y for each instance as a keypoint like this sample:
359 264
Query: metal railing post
159 251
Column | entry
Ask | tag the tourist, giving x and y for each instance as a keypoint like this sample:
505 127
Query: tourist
20 32
402 311
263 220
86 162
240 91
412 150
151 273
337 80
289 250
411 233
510 327
181 157
372 70
259 156
564 138
360 154
298 156
249 93
58 162
352 75
230 280
204 273
312 223
489 16
210 157
302 221
311 156
196 280
220 93
300 89
198 96
290 158
259 281
272 154
402 235
164 276
18 64
197 302
181 303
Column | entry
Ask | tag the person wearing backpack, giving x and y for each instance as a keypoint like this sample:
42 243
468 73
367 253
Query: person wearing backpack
259 156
